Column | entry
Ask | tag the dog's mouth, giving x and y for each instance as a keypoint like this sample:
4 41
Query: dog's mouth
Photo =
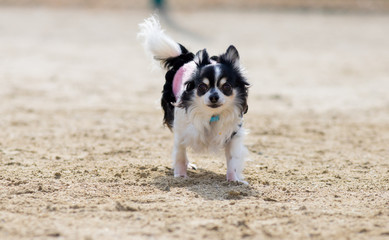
214 105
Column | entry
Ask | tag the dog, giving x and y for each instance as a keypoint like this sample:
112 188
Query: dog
204 99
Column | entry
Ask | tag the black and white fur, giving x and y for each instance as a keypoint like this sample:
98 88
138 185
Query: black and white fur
217 87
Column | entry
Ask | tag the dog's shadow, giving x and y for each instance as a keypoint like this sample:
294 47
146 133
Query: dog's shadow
203 183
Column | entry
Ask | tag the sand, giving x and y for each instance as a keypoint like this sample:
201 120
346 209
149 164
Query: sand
84 155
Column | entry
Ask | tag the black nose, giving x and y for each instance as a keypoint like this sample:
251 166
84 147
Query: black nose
214 97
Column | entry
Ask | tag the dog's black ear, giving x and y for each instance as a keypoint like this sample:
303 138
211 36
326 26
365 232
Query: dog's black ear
215 58
231 56
202 58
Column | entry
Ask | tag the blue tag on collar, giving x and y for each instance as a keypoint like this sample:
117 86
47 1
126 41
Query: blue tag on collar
214 118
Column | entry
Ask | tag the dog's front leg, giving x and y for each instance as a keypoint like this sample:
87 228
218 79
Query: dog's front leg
235 153
180 160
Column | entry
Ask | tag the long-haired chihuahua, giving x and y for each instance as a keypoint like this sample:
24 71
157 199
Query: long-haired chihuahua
204 99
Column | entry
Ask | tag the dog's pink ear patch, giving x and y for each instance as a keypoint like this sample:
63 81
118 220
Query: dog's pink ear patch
181 77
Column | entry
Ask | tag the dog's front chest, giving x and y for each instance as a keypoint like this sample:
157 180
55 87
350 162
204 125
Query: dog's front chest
220 133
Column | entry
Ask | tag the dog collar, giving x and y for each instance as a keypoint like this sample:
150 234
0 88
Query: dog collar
214 118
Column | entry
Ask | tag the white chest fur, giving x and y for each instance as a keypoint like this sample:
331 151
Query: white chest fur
193 128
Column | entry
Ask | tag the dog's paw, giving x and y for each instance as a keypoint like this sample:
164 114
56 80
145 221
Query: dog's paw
239 181
180 171
176 175
192 166
232 177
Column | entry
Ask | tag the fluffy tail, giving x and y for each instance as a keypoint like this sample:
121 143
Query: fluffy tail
156 42
171 55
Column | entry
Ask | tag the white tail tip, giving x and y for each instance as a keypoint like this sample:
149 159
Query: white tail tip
156 42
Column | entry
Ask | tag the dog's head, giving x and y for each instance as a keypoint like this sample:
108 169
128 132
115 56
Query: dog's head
217 84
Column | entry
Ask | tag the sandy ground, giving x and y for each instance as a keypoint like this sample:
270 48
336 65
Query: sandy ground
84 155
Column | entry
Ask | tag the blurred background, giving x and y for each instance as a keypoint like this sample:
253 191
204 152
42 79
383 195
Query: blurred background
299 55
333 5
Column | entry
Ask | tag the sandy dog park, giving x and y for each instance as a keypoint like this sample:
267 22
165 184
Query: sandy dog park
84 155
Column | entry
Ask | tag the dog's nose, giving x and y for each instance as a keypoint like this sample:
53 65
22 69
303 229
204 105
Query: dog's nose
214 97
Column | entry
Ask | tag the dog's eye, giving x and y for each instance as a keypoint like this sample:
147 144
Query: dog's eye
189 86
202 88
227 89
